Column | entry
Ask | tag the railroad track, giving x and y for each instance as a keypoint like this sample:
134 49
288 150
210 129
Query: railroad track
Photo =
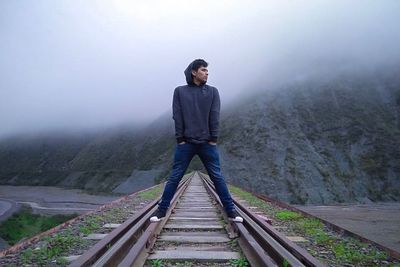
195 229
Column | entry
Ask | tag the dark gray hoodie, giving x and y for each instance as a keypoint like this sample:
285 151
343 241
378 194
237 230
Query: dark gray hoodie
196 111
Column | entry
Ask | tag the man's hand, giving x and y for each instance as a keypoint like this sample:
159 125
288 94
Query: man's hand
212 143
182 143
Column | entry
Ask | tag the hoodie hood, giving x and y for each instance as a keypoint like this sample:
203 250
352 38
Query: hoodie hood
188 74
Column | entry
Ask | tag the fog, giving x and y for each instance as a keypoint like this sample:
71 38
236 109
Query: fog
77 65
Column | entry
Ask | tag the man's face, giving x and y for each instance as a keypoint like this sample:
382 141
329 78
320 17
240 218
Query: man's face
201 74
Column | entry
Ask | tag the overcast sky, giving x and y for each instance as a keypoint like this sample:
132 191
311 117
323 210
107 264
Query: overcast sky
83 64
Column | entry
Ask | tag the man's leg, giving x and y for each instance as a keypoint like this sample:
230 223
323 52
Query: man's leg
183 155
209 155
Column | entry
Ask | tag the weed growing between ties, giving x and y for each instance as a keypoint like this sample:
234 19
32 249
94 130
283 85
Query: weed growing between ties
91 224
326 245
233 243
25 224
241 262
156 263
285 263
51 249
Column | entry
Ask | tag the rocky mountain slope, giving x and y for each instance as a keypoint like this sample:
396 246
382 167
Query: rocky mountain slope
319 140
99 161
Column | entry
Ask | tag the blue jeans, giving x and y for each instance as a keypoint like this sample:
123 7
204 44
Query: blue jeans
209 156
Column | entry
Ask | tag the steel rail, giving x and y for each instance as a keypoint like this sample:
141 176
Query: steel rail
273 244
115 246
137 255
254 252
330 225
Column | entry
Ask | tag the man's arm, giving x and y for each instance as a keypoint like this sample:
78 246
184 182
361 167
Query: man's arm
178 117
214 116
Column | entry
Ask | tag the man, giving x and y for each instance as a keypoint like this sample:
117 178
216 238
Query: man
196 108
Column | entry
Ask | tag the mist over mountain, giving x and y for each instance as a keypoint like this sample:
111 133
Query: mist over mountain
318 140
90 65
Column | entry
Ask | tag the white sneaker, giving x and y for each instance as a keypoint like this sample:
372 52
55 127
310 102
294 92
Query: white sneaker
157 216
234 216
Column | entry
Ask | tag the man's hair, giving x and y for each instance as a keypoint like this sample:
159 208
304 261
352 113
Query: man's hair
199 63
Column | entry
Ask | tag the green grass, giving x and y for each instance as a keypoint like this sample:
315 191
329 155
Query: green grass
151 194
156 263
350 253
25 224
285 263
241 262
287 215
52 249
309 225
346 250
91 224
233 243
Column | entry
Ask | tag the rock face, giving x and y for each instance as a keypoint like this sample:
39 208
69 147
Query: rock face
317 141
